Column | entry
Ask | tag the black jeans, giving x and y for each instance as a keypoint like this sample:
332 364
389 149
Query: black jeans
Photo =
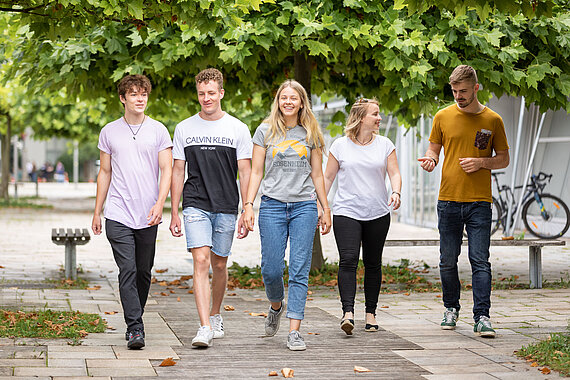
133 250
349 235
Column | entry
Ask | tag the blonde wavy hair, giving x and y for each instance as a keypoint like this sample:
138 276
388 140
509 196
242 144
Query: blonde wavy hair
305 117
358 112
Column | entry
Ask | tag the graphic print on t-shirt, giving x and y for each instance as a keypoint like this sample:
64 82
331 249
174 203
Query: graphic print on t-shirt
287 152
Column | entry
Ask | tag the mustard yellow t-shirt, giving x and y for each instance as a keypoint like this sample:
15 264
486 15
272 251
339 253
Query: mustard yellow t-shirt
464 135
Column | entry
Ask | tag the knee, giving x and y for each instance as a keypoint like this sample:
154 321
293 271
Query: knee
271 275
219 267
201 263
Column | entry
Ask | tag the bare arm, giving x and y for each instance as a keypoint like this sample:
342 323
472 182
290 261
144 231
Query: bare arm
395 180
319 183
244 169
331 172
103 183
175 194
165 164
499 161
431 159
257 166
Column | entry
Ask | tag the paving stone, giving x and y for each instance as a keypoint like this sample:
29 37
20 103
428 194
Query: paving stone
50 371
22 362
76 363
147 353
117 363
113 372
81 378
462 376
81 355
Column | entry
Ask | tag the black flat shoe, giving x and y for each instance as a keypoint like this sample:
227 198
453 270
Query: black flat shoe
371 328
347 325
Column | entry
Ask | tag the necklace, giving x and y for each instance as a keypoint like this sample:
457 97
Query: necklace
368 142
131 128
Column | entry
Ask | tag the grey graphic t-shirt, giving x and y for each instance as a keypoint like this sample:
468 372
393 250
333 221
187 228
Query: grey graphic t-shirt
287 165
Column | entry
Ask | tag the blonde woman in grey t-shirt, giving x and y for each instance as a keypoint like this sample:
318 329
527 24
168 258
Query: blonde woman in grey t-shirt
288 145
360 161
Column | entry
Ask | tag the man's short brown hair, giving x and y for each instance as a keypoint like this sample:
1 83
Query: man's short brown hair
463 73
131 81
210 74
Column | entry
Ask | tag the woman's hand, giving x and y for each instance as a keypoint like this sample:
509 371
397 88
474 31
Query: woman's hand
394 200
325 221
249 217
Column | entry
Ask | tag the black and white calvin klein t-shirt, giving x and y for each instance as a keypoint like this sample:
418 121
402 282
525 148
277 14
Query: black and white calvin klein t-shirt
211 150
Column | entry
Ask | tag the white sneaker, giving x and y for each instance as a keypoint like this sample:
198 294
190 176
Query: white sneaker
217 323
204 337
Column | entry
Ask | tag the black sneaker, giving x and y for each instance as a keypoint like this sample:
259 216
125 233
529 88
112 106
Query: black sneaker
128 335
136 340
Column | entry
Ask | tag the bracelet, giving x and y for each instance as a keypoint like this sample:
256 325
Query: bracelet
434 161
395 192
248 203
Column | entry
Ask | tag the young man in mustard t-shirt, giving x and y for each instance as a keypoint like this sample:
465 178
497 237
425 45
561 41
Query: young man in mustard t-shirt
469 132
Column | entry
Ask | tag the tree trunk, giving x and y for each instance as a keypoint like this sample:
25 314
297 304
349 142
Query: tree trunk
6 159
303 68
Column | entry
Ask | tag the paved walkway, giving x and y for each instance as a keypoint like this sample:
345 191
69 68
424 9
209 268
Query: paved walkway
410 345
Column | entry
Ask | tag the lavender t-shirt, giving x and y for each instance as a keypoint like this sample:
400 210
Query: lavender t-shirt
134 169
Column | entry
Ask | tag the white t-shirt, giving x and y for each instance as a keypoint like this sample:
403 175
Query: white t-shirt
361 177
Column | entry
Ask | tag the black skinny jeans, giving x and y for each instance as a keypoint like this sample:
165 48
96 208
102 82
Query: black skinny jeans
349 234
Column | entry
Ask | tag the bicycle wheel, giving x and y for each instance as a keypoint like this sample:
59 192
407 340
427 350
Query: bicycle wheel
551 222
496 216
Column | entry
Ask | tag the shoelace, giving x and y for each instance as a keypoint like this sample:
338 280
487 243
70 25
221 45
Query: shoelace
218 324
485 322
449 315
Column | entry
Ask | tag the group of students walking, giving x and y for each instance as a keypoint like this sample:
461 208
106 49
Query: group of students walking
284 158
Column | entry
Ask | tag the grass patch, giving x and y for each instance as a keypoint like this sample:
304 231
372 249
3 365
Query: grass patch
23 202
49 324
62 283
551 353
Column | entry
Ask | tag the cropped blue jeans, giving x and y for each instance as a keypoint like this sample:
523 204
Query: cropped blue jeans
475 218
279 222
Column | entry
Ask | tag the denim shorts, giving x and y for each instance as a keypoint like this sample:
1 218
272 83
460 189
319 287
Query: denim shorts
208 229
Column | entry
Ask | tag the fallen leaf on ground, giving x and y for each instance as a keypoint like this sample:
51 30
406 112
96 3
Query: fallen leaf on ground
111 327
174 282
111 312
83 333
186 278
259 299
309 292
273 373
190 291
96 287
508 238
163 283
312 333
258 314
232 294
172 292
183 287
545 370
161 270
164 294
1 266
168 362
156 293
361 369
309 299
178 299
406 294
331 283
534 364
95 322
287 372
384 307
229 308
153 280
439 296
559 353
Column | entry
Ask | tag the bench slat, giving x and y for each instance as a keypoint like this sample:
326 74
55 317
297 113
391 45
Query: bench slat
494 242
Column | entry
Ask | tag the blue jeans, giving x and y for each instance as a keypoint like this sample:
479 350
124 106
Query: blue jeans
279 221
476 218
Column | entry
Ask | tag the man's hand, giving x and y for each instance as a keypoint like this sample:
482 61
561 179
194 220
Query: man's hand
325 221
242 231
175 226
155 215
427 163
96 224
470 164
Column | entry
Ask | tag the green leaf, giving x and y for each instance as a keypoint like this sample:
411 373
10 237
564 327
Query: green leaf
135 8
317 48
392 61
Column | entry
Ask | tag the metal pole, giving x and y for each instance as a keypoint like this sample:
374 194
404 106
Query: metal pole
527 174
421 172
515 163
388 125
15 165
75 162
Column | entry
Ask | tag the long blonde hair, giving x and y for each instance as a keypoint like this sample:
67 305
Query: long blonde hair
305 117
358 112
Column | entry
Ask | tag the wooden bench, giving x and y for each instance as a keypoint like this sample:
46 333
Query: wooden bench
70 238
534 251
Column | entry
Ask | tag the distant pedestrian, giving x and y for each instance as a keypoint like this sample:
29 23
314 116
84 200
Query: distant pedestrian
133 149
59 175
469 132
360 161
288 148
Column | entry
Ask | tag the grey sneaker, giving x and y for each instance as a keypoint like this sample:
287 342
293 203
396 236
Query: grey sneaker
272 320
295 341
449 320
483 328
217 323
204 337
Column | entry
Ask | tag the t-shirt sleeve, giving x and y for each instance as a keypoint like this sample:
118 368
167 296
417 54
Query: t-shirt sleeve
500 139
178 149
164 139
244 144
103 144
335 148
435 135
259 135
389 148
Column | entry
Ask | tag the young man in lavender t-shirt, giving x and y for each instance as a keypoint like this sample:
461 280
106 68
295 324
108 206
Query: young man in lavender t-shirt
132 151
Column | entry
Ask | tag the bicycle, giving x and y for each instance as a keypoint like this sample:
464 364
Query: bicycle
544 215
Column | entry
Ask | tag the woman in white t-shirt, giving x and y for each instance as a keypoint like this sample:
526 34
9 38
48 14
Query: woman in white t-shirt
361 210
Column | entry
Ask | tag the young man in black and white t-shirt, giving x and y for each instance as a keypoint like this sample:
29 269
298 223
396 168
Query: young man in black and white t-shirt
215 146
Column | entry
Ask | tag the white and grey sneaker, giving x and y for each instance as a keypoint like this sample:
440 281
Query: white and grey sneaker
295 341
272 320
217 323
449 320
204 337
